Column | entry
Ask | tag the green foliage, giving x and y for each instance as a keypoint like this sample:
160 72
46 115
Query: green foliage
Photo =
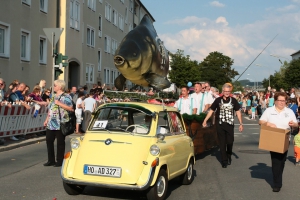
190 118
183 70
216 68
292 73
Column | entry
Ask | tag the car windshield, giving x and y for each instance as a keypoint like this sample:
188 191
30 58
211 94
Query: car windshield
121 119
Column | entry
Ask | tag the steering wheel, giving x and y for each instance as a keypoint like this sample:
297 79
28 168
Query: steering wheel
135 126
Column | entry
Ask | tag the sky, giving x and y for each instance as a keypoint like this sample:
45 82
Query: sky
240 29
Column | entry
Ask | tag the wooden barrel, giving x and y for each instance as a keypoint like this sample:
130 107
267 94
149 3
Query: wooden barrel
204 138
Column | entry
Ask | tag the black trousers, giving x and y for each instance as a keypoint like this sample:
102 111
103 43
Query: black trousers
278 161
50 137
225 134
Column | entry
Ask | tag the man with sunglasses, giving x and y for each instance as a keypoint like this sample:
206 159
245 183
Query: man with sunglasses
278 116
225 107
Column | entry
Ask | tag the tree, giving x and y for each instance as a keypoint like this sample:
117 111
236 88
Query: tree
291 74
216 68
183 69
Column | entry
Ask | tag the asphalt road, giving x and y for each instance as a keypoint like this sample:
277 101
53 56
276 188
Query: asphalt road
23 176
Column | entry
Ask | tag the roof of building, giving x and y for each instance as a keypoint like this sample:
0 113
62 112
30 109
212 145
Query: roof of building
295 53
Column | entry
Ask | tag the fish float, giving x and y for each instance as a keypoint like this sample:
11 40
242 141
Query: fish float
142 58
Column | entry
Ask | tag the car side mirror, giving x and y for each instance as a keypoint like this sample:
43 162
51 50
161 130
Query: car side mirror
160 138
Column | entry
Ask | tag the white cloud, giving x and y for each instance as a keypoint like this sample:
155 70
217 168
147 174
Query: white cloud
222 20
241 43
216 4
287 8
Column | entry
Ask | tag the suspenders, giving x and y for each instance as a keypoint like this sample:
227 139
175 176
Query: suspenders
180 102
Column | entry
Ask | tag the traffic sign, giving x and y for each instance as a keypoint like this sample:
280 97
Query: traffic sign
57 32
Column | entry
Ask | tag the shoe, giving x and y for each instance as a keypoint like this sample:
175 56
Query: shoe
224 165
229 159
2 141
14 138
49 164
276 189
57 165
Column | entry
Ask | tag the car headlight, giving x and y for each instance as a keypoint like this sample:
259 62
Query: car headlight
75 143
154 150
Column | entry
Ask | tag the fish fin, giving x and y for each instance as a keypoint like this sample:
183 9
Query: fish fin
120 82
157 81
146 21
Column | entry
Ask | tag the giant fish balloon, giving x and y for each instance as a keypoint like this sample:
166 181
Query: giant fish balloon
142 58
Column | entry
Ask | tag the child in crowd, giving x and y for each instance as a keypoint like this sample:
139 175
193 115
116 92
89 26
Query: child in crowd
253 110
297 149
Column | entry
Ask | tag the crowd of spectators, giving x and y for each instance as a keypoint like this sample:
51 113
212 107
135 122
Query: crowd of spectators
19 93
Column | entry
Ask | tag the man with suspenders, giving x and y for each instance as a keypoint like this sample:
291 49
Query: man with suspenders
186 103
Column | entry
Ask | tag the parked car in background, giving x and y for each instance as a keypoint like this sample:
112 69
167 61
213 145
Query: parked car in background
130 146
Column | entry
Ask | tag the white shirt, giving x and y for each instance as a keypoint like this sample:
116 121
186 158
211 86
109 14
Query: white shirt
198 100
208 97
292 95
281 120
186 105
89 103
78 110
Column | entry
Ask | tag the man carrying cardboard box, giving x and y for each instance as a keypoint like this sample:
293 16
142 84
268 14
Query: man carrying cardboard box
278 116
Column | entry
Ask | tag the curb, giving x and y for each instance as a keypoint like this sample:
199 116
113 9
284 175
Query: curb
21 144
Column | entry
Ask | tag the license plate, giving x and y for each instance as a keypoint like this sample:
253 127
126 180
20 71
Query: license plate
102 171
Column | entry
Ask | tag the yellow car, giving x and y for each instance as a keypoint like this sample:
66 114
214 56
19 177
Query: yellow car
130 146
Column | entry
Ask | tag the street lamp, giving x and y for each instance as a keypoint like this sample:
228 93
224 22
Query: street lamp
277 56
269 73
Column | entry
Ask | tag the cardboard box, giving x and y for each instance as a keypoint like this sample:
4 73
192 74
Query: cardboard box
274 139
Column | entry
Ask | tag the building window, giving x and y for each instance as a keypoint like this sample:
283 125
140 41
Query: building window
122 1
75 14
90 37
126 15
101 1
107 44
44 5
99 60
131 6
107 11
43 50
114 17
121 22
92 4
25 45
27 2
100 26
112 76
106 76
130 27
89 73
4 39
114 46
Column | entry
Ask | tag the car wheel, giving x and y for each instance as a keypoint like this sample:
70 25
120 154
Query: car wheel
188 177
159 190
73 189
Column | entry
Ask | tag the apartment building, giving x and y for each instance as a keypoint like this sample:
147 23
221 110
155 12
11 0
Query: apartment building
24 50
93 29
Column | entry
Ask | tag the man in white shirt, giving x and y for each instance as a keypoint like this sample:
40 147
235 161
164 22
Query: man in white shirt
199 97
186 103
88 106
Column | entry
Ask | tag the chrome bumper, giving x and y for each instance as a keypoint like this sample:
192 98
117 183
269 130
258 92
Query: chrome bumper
117 186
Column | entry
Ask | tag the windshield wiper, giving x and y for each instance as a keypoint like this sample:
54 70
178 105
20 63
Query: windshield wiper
101 128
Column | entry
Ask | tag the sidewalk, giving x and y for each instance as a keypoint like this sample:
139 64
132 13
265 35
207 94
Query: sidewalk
11 144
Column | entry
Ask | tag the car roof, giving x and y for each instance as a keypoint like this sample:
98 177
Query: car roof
146 107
